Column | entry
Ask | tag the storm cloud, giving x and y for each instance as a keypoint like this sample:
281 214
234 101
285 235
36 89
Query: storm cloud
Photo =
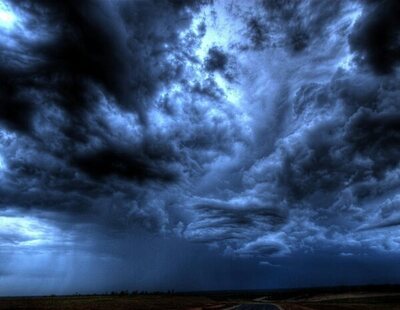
257 132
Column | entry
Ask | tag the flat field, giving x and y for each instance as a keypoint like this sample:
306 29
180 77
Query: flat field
351 298
107 302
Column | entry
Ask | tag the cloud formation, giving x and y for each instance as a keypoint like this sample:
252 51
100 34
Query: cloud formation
262 129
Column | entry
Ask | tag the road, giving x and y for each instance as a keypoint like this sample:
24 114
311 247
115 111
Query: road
257 307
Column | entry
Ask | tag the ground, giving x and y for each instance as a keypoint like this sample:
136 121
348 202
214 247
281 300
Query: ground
352 298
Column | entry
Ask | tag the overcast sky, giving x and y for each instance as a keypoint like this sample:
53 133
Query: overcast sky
192 145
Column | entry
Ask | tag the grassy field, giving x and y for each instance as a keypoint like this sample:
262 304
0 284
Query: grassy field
113 302
361 298
389 302
383 297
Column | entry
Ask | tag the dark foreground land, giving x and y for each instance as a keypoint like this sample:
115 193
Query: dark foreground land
352 298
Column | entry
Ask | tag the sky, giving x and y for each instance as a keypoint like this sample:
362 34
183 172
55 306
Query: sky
198 145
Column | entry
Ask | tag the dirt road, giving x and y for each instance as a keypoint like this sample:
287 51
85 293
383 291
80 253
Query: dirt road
257 307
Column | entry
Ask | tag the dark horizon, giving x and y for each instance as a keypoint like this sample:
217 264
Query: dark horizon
376 288
198 145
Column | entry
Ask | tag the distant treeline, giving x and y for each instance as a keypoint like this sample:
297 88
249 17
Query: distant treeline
276 294
129 293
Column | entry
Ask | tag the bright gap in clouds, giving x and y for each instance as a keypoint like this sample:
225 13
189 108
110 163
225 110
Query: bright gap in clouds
25 231
2 164
220 31
7 16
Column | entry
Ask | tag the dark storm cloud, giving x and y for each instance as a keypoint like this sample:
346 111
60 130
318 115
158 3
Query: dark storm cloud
267 133
16 110
349 155
119 47
68 58
77 83
321 182
291 24
220 221
95 143
376 37
123 163
221 62
327 157
386 216
345 148
216 60
258 33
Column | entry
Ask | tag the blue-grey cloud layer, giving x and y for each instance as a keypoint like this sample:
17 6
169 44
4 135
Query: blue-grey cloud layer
265 130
